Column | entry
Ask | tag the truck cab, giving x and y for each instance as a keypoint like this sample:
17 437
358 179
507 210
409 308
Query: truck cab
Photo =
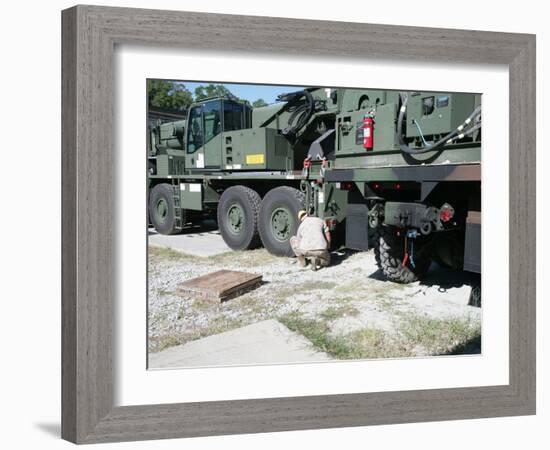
207 123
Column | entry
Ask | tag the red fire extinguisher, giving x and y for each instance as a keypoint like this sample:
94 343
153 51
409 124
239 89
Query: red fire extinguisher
368 132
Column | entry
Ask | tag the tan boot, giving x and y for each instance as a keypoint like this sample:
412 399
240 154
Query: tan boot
313 261
301 260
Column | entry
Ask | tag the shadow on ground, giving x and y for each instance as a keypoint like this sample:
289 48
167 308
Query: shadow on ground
472 346
53 429
206 226
339 256
444 279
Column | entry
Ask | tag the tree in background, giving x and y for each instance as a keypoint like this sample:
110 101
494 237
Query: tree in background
212 90
168 94
259 103
174 95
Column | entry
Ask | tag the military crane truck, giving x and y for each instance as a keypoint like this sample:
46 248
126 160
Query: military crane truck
399 171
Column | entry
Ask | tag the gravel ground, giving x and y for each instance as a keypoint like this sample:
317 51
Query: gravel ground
346 310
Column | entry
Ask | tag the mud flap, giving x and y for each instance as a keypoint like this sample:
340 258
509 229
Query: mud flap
472 244
357 226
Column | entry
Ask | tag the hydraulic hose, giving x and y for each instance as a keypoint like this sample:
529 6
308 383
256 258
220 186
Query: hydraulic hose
444 140
472 130
300 114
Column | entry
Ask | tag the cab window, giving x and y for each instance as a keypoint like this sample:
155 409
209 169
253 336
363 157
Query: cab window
232 116
212 120
195 134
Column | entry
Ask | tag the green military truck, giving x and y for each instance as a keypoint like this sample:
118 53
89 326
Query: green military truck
399 171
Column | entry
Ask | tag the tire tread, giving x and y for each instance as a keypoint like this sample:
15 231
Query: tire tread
294 195
253 199
166 190
388 261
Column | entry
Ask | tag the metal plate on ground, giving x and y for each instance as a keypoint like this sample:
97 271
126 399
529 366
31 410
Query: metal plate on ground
221 285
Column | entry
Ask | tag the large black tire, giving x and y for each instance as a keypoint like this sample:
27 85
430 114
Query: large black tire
238 217
475 296
162 212
389 254
279 219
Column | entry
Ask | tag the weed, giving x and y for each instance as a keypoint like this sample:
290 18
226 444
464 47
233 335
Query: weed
164 292
416 335
315 285
442 336
159 343
335 312
318 332
168 253
244 259
216 326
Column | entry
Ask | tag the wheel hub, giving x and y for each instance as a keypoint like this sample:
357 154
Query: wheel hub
235 219
281 224
162 210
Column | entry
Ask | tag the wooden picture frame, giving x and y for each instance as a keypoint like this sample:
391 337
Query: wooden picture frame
90 34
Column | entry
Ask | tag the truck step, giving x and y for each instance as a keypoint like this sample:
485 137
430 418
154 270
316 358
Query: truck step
179 212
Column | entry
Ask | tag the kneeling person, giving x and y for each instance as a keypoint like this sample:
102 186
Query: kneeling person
312 240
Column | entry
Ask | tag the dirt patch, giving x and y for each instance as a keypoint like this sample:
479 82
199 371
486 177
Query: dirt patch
346 310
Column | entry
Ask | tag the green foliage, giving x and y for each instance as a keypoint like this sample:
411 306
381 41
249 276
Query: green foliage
168 94
318 332
416 336
212 90
336 312
259 103
174 95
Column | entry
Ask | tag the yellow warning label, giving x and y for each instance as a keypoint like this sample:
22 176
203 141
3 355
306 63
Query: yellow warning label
255 159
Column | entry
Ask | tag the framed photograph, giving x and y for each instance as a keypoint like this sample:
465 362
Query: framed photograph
266 230
238 185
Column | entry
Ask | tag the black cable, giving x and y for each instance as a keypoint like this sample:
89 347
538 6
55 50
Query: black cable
416 151
301 114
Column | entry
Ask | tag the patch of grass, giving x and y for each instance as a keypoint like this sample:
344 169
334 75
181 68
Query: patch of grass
471 346
315 285
164 252
159 343
244 259
370 343
308 287
168 253
161 316
417 335
345 299
282 294
348 288
203 304
368 291
164 292
443 336
248 304
362 344
379 294
219 325
318 332
388 303
335 312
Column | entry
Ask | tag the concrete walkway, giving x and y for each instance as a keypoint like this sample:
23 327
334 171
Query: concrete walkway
199 243
267 342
